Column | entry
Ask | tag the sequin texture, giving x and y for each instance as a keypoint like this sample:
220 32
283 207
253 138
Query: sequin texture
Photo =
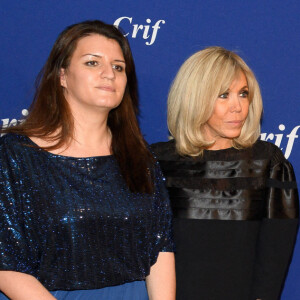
72 222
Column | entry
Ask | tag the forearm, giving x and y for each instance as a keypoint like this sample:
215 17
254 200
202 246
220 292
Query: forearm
274 250
21 286
161 283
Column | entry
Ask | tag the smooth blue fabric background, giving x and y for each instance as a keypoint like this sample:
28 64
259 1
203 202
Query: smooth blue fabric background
265 33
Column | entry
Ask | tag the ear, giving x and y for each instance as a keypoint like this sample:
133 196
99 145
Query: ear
62 75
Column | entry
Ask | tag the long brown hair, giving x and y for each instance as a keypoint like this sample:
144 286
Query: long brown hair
49 110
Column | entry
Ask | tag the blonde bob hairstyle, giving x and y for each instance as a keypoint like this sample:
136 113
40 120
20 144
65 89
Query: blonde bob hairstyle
200 80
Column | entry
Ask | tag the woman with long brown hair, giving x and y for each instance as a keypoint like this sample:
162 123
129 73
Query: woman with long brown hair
83 210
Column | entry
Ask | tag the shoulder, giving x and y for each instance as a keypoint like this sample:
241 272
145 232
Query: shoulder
266 146
10 139
164 150
11 153
11 144
270 151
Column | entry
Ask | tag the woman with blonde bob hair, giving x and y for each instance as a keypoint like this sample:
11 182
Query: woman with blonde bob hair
234 197
204 76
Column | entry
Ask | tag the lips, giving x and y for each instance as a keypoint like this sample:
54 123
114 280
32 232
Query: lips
106 88
235 122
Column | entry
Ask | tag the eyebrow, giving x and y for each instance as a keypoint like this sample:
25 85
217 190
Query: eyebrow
99 56
244 87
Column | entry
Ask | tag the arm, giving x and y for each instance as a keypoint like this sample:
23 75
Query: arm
274 252
161 280
19 255
278 231
21 286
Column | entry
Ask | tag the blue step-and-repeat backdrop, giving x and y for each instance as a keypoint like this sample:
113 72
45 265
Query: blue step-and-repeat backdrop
162 35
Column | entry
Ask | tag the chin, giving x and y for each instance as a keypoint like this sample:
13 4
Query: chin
108 104
234 135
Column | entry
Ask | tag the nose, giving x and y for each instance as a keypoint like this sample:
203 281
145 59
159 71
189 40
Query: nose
235 105
107 71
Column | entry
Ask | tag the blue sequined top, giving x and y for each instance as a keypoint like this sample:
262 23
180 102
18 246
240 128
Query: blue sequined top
73 223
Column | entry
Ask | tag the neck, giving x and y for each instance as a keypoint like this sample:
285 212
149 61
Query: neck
220 145
92 136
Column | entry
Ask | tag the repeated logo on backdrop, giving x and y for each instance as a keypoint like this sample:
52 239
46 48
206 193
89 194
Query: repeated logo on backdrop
148 31
284 139
6 122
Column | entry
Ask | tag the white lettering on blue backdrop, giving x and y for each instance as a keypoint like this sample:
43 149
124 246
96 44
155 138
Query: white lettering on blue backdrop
279 137
143 28
13 122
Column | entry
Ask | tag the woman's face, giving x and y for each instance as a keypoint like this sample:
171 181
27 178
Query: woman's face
95 78
229 114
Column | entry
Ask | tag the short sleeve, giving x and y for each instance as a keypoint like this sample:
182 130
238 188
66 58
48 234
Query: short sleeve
278 230
14 243
163 231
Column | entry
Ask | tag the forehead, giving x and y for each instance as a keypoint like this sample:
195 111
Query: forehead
239 80
229 78
98 44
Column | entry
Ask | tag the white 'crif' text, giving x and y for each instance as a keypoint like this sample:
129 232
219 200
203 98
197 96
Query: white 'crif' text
144 30
277 139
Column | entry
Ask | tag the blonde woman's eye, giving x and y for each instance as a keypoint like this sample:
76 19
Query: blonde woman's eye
91 63
244 94
118 68
224 95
